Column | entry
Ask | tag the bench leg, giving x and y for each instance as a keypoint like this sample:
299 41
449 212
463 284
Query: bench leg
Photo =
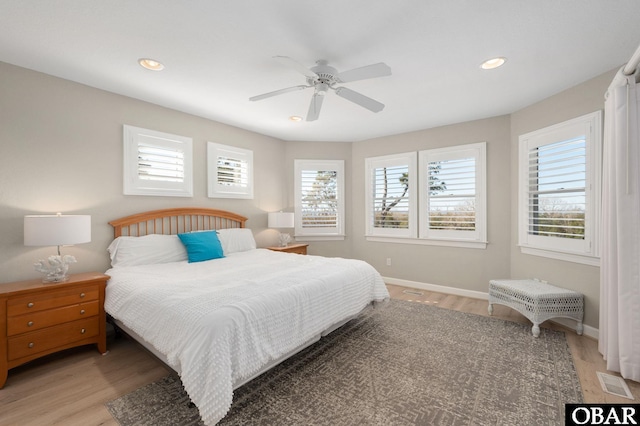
490 309
535 330
579 328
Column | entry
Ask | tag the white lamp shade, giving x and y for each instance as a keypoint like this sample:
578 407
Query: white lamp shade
281 220
56 230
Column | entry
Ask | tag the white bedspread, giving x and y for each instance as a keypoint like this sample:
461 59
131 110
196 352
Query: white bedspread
221 321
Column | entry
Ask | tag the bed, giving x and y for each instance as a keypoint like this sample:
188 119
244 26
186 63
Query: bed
221 318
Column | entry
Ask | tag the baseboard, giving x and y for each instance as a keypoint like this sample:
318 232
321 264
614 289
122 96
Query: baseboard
588 330
438 288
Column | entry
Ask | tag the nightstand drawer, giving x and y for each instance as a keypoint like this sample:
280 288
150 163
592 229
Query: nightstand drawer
293 248
297 250
50 300
52 337
37 320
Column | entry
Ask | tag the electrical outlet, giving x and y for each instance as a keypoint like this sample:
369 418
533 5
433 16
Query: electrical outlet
388 261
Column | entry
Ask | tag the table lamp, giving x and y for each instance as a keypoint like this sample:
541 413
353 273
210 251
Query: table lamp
281 220
56 230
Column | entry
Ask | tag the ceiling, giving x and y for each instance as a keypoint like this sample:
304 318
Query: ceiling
217 54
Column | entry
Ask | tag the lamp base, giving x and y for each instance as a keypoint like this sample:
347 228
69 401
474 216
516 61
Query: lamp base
284 239
55 268
55 278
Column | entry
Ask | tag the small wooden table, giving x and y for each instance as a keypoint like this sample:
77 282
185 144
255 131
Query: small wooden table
538 301
39 318
291 248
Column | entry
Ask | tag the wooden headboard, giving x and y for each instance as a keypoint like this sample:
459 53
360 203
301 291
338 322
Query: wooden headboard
175 221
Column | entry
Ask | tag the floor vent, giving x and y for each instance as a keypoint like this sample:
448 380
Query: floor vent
614 385
414 292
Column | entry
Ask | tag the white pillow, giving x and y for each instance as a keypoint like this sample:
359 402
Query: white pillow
146 250
236 239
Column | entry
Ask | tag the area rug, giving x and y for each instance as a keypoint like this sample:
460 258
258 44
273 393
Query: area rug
405 363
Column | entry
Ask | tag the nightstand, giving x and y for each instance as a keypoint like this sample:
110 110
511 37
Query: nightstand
292 248
37 319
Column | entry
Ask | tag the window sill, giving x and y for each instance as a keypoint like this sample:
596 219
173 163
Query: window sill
418 241
319 237
567 257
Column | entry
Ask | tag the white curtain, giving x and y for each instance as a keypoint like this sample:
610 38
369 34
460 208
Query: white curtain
619 340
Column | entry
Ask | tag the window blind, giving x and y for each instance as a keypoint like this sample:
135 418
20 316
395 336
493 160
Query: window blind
319 198
160 163
391 197
232 172
557 189
452 194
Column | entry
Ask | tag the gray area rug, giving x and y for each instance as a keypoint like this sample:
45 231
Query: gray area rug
403 364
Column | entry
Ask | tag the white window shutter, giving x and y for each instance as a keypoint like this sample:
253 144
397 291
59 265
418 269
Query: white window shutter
156 163
320 202
230 171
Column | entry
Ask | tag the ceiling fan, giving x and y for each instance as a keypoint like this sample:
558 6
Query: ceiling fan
323 77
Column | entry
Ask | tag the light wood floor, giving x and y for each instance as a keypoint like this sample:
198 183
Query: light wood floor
70 388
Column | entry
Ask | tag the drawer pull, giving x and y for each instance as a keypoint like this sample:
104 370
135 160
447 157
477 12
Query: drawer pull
31 344
30 324
81 311
81 295
30 305
83 331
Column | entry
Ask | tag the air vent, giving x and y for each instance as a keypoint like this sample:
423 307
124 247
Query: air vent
614 385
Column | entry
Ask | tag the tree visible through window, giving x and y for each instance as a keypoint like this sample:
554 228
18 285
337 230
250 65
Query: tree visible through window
319 204
390 196
391 203
434 196
452 194
319 198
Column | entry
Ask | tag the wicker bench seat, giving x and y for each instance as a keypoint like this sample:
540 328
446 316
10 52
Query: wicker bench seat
538 301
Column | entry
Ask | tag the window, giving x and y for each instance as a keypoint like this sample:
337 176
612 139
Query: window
230 171
157 163
559 190
452 193
433 197
390 196
319 204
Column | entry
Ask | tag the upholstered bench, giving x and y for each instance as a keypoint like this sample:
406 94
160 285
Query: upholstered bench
538 301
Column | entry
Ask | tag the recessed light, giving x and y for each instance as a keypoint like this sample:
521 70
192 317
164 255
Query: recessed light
295 118
490 64
150 64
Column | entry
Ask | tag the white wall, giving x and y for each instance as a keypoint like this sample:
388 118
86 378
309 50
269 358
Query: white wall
579 100
463 268
61 151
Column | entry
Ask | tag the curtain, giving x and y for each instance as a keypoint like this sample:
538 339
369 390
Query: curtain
619 339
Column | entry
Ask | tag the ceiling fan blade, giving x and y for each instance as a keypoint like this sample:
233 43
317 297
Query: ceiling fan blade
278 92
287 61
370 71
315 106
360 99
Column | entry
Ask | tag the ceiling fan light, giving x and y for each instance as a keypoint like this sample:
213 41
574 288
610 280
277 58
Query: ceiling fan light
493 63
322 89
295 118
150 64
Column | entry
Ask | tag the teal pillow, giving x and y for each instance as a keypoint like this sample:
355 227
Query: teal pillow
202 246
